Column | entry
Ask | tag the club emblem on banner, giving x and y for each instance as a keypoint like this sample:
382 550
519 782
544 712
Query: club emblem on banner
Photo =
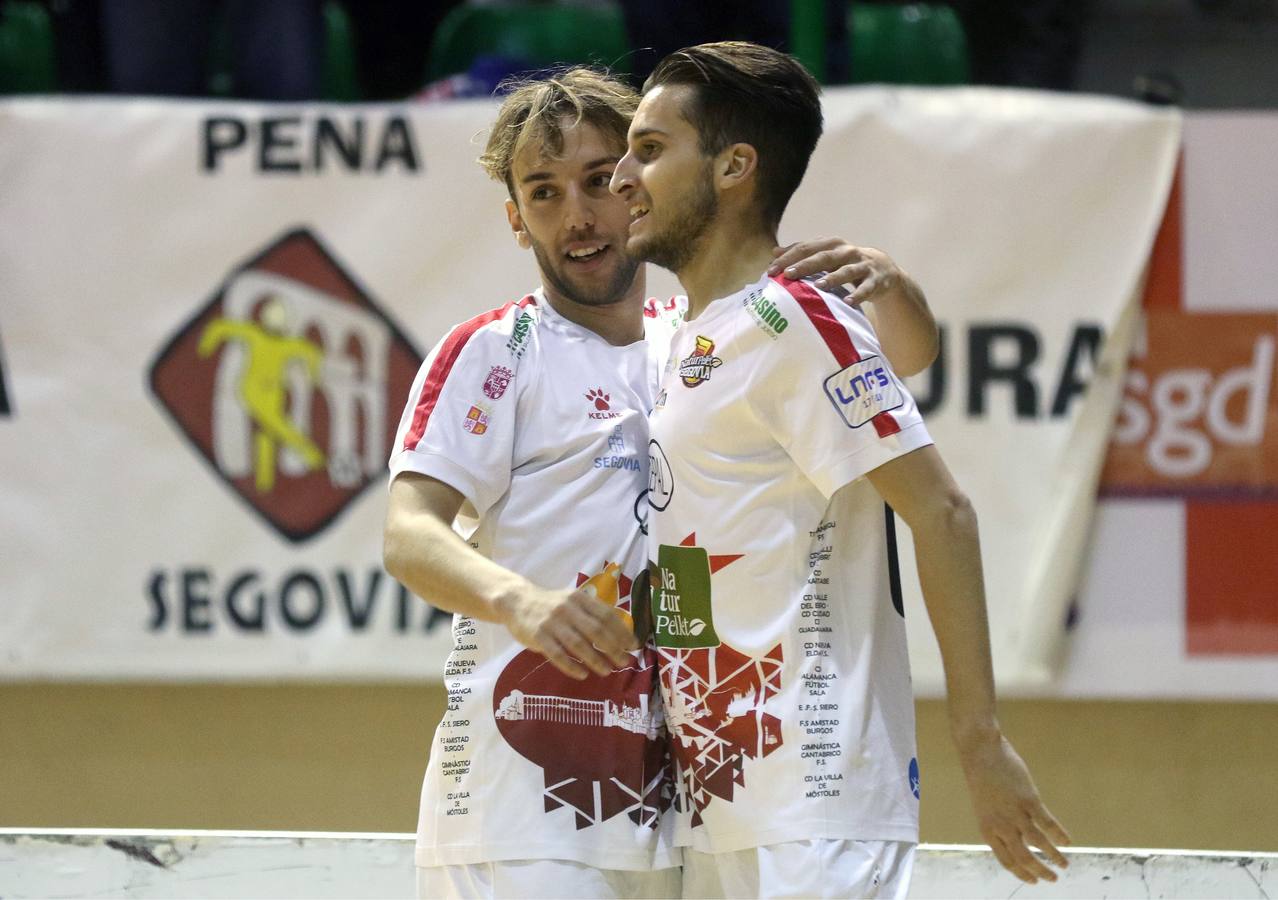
286 382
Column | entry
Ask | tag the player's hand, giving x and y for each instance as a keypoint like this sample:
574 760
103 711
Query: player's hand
872 273
575 631
1011 816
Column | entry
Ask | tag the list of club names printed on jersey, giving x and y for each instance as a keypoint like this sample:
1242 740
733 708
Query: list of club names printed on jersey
818 706
454 742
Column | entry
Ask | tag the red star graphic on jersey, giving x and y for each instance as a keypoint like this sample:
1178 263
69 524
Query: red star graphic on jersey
715 699
716 562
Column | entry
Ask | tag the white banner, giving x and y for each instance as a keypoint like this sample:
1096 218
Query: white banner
187 495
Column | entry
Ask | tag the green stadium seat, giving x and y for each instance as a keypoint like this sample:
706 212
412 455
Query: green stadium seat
27 61
338 78
914 43
543 34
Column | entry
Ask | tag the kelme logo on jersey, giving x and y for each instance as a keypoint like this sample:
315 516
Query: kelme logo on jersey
765 313
696 368
601 404
863 390
283 383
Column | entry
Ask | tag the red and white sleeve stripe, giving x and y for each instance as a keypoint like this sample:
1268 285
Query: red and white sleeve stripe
442 365
836 337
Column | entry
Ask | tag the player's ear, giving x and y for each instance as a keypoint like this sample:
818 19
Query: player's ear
735 164
517 224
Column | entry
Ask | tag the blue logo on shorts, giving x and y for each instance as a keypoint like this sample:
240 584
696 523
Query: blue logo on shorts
914 777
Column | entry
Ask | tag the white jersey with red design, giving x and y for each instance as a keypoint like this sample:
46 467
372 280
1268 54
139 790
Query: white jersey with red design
542 426
775 601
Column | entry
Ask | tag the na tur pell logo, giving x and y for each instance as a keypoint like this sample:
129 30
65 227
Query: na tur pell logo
288 382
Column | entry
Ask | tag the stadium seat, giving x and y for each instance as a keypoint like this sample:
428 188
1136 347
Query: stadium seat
338 80
915 43
539 34
27 61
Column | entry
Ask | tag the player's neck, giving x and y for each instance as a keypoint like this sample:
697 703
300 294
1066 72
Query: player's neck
728 259
619 323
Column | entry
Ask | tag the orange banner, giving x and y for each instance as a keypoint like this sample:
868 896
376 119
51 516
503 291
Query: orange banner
1200 413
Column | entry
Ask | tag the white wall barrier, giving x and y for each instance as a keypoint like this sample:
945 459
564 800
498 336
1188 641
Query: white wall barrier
125 863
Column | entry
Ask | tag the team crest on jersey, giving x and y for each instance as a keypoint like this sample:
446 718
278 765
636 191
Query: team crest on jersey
497 381
476 421
695 369
284 382
862 390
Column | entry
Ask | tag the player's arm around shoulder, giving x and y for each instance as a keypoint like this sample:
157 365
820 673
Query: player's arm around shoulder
456 443
897 309
1012 817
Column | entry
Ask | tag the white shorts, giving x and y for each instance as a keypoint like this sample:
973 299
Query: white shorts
815 868
534 878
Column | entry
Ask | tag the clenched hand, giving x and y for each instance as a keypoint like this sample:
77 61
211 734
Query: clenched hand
572 629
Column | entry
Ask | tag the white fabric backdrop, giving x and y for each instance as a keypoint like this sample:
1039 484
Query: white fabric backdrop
126 227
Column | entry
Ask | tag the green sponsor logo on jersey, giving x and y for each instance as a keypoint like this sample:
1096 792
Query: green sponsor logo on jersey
682 614
519 334
765 314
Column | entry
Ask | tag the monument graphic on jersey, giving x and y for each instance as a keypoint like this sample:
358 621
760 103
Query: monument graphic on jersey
600 742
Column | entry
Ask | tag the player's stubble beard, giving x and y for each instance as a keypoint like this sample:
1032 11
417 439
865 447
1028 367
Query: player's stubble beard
677 244
613 291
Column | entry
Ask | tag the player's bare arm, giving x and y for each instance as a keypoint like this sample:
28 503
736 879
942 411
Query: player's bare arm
897 308
1011 816
573 630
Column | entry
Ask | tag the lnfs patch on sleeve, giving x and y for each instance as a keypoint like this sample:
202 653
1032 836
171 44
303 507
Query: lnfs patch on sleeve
862 390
